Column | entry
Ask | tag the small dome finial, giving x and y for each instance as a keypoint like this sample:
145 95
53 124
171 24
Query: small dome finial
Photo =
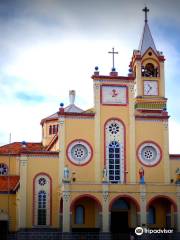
23 144
145 10
96 68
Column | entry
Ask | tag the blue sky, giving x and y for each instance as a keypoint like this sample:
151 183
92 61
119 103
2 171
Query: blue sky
48 47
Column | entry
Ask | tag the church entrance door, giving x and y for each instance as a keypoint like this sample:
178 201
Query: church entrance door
4 230
124 210
119 222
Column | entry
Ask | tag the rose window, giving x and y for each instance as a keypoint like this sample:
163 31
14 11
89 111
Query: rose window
3 169
79 152
114 128
42 181
149 154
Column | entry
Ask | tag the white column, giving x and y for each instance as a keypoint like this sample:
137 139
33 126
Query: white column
61 136
162 80
66 208
61 147
178 207
166 152
23 191
97 132
132 127
143 213
105 208
139 82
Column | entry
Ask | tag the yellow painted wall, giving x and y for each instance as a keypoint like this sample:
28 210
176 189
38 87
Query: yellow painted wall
80 129
150 131
48 165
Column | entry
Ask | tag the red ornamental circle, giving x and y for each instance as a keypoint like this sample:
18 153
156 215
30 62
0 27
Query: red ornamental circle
147 160
79 152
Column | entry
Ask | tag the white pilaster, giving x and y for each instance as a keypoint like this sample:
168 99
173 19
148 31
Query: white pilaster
97 145
166 152
23 191
105 208
132 152
66 208
61 136
139 82
178 207
143 213
162 80
61 147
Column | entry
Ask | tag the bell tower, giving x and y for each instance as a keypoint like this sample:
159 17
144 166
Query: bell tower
148 68
151 116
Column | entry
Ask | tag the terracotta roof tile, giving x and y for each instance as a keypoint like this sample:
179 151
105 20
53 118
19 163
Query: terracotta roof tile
9 185
16 147
175 156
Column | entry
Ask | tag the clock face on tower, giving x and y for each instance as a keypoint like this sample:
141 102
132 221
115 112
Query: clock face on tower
113 95
151 88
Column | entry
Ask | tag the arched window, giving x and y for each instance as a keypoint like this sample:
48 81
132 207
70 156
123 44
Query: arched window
149 70
3 169
42 198
50 130
54 129
114 144
152 215
114 162
42 205
79 215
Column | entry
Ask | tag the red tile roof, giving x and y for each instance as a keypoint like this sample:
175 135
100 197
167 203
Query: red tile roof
10 183
174 156
16 148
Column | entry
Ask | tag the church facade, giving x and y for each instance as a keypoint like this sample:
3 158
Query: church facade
106 169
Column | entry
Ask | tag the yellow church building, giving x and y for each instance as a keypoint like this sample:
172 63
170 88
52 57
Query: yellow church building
104 170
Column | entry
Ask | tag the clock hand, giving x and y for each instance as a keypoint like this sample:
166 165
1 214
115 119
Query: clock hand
149 88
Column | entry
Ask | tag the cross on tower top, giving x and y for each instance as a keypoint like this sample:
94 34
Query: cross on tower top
113 52
145 10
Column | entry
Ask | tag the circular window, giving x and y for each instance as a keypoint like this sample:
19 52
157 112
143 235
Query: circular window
42 181
79 152
3 169
149 154
114 128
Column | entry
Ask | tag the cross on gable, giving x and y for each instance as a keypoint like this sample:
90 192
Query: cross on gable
113 52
